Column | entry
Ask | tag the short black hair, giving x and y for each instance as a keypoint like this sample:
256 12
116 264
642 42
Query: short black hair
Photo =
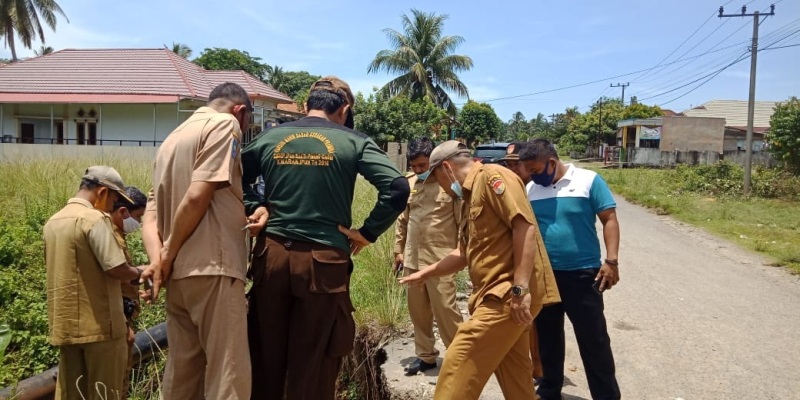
325 100
233 92
420 147
88 184
139 199
538 149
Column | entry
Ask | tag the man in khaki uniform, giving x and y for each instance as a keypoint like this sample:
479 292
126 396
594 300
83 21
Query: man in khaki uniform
510 274
84 308
198 209
426 232
126 219
512 162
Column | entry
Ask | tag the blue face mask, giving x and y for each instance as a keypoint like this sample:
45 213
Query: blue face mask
544 178
423 176
455 186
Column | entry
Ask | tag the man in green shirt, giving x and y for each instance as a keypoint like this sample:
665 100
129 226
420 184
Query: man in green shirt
300 315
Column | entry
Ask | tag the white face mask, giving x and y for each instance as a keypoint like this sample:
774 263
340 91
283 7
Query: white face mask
130 225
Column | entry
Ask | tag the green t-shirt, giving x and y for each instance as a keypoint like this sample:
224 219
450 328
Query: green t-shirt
309 169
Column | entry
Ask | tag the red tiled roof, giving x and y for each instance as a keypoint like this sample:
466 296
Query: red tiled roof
292 108
120 72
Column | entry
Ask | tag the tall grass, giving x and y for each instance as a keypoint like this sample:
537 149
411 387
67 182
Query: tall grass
30 192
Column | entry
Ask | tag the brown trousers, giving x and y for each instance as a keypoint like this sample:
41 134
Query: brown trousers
488 342
207 333
434 300
535 358
300 318
92 371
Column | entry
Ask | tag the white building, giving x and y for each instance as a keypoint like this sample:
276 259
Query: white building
128 97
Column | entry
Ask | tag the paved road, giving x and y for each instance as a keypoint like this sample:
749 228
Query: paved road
694 317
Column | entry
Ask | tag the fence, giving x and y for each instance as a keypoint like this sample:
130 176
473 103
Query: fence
666 158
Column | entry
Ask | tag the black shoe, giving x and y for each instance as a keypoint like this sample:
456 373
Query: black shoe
419 366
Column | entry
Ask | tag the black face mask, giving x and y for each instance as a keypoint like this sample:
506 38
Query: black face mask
348 122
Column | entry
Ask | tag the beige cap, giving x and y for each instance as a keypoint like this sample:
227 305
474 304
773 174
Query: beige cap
445 151
108 177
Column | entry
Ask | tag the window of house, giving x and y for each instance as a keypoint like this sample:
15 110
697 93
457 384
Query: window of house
59 132
26 132
649 143
86 132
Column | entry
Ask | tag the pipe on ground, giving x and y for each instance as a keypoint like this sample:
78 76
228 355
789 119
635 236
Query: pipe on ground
147 343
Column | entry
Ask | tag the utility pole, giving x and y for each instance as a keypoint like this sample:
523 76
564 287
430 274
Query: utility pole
623 86
600 124
748 167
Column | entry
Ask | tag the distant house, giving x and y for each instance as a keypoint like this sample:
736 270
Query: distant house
735 114
128 97
718 126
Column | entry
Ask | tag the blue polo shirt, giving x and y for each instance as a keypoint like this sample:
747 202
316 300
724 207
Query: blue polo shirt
566 212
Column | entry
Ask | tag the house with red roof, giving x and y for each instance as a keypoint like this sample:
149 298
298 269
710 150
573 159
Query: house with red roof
128 97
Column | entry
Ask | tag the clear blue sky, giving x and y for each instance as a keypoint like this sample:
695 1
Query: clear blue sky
518 47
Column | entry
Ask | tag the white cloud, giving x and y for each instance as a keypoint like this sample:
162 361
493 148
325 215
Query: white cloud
482 93
73 36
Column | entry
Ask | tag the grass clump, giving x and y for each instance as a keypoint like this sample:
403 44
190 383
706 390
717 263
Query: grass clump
710 196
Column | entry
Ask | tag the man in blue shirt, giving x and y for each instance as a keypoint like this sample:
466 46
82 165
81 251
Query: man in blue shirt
567 200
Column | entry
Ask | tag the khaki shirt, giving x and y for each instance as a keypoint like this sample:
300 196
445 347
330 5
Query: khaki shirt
128 291
493 197
84 303
205 148
427 230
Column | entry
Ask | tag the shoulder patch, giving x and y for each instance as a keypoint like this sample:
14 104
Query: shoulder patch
497 184
234 148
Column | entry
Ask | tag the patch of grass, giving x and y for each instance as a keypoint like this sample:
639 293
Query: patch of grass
767 225
33 191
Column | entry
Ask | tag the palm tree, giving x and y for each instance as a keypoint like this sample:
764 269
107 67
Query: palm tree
43 50
181 49
21 18
276 77
424 61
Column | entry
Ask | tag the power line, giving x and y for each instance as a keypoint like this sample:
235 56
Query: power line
724 62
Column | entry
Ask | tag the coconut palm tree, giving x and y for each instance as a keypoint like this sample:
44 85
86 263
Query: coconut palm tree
43 50
22 19
181 49
276 77
424 61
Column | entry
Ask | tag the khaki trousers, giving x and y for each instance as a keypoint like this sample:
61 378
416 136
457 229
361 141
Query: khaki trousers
207 334
488 342
434 300
92 371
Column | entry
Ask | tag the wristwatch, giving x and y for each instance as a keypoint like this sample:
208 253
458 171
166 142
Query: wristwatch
519 291
613 262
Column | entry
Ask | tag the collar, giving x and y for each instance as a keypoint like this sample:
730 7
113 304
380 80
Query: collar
83 202
473 172
567 175
206 110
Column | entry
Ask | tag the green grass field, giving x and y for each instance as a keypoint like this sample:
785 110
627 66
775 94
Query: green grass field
768 226
33 191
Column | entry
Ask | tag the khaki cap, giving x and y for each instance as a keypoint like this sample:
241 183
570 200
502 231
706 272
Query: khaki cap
446 151
335 85
109 177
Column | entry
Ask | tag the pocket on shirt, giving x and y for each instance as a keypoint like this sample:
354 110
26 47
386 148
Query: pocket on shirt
474 214
329 271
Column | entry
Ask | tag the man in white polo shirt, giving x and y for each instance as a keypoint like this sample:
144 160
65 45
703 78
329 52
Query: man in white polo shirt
566 201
